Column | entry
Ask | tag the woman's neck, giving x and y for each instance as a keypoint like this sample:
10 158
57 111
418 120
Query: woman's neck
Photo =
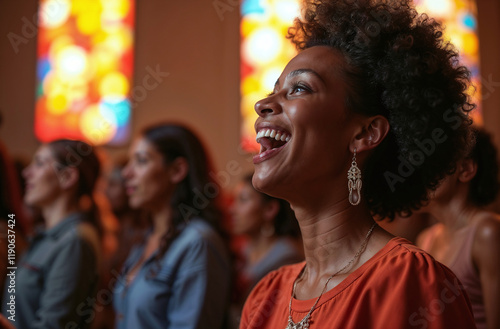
332 235
162 219
455 216
455 213
58 210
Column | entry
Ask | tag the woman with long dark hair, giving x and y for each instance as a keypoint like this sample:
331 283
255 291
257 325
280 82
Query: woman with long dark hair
57 277
179 277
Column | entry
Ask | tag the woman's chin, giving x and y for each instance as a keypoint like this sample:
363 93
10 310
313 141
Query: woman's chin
268 185
259 182
135 203
35 201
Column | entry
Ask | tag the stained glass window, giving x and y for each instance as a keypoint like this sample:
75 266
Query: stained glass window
84 70
264 53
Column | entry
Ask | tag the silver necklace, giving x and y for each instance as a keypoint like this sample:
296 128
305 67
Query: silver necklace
304 323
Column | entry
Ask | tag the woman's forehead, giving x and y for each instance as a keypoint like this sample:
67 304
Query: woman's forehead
323 60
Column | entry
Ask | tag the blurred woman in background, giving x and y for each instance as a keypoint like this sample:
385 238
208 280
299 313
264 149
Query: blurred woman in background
179 276
272 239
125 227
467 236
272 232
59 271
132 225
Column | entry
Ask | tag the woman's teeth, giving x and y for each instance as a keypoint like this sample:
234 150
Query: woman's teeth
274 134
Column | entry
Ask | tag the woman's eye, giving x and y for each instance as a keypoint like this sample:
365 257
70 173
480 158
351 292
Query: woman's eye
141 160
299 89
38 162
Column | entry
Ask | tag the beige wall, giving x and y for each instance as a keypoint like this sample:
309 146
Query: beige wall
489 47
17 77
199 50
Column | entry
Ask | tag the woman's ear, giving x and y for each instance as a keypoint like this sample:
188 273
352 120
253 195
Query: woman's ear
179 169
467 169
68 177
371 133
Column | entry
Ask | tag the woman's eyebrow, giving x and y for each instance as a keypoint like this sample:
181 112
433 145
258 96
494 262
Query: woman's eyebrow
299 72
302 71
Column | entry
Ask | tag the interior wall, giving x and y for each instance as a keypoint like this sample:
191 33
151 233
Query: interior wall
17 75
195 46
489 47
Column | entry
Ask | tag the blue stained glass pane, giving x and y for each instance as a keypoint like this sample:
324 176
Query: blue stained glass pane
469 21
121 109
251 7
122 133
42 68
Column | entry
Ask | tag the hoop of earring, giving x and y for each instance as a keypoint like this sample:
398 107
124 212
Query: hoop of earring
354 182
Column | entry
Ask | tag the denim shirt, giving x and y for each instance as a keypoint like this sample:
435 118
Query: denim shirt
56 277
189 289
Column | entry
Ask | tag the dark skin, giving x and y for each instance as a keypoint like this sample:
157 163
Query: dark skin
450 206
310 170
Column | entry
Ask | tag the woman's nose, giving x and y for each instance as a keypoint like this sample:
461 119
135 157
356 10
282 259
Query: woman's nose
26 171
126 171
267 106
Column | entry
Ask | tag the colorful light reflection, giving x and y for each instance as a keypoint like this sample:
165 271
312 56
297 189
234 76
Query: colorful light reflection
460 20
84 70
265 51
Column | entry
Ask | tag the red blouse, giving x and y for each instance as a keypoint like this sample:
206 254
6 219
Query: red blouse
400 287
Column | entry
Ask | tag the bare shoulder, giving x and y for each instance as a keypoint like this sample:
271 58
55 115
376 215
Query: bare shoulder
488 228
487 237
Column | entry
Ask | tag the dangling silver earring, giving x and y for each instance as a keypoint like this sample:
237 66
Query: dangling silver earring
354 182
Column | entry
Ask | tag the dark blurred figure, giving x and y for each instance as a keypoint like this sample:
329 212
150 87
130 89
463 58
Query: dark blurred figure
57 277
131 230
467 237
272 232
19 164
12 215
133 223
408 227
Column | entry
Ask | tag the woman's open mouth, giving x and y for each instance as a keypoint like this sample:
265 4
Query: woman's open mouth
271 141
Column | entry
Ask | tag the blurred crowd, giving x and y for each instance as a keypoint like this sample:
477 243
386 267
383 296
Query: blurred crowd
100 242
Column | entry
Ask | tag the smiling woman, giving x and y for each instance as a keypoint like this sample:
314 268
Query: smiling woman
373 82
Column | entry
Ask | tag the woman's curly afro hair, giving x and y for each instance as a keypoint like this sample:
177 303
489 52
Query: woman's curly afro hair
396 65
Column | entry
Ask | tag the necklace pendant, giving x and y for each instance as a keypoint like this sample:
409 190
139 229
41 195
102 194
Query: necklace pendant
303 324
